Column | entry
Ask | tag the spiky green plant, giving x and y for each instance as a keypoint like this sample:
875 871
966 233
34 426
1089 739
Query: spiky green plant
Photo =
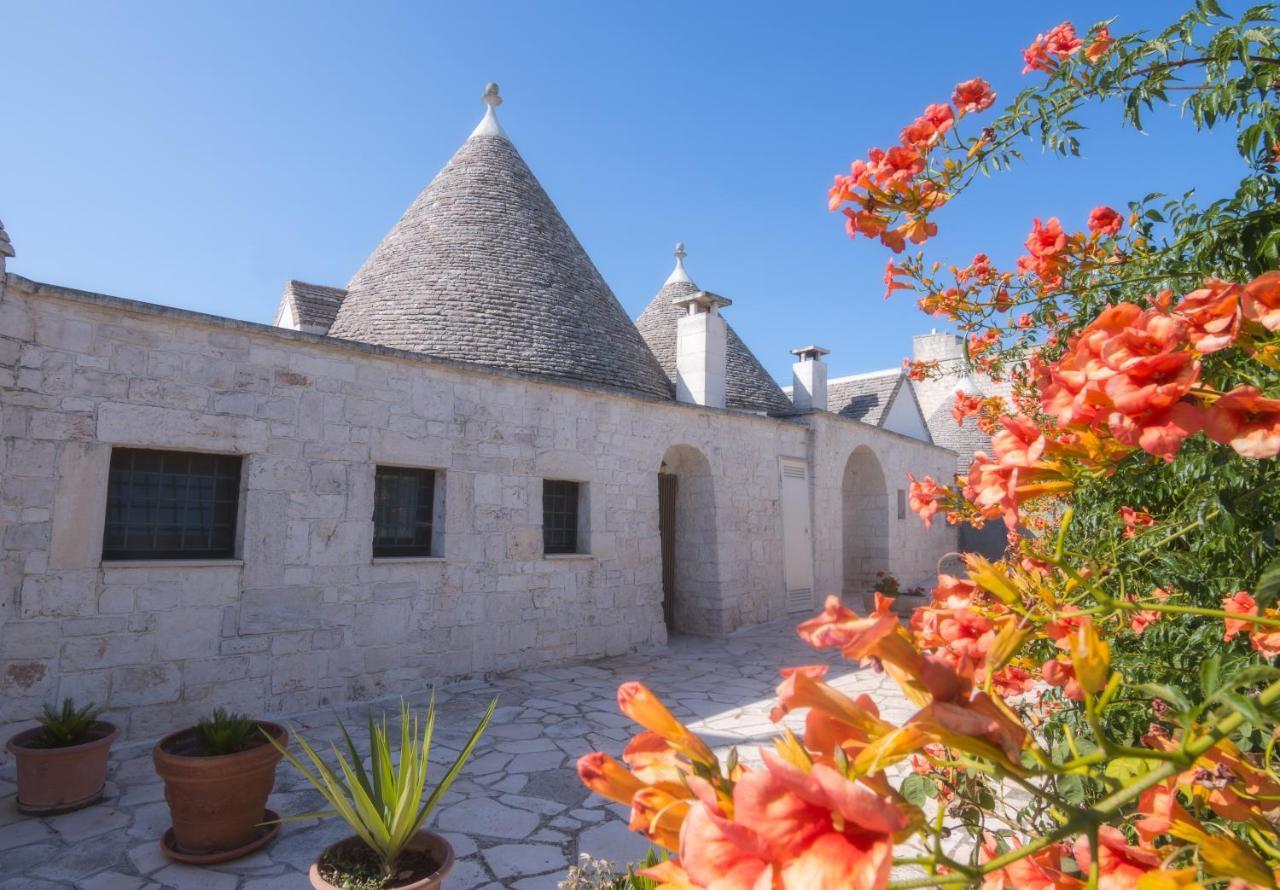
68 726
384 806
223 732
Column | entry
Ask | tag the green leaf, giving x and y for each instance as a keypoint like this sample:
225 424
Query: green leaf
1246 707
1267 587
1210 673
917 789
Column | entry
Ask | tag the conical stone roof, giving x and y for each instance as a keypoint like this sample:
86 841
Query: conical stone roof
748 385
482 268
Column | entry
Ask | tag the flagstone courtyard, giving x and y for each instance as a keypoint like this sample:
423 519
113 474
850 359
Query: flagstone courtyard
517 817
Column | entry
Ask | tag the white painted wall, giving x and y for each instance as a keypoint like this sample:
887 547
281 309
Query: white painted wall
305 617
903 415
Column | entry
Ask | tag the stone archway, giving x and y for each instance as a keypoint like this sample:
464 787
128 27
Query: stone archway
687 522
865 513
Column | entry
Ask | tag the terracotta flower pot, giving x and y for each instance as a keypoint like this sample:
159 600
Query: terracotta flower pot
217 802
423 842
59 780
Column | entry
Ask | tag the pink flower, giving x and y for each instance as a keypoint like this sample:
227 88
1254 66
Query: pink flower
791 829
1105 221
923 498
1046 240
1240 603
964 406
1246 421
1047 49
1213 315
972 96
1262 300
1119 865
1062 41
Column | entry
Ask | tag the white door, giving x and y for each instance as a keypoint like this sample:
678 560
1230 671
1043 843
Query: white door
797 537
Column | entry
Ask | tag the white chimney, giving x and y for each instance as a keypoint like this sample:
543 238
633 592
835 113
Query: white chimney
948 350
809 383
701 341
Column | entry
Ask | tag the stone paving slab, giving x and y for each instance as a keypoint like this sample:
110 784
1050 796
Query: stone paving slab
517 816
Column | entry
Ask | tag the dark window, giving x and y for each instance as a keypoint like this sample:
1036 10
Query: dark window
560 516
171 505
403 504
902 503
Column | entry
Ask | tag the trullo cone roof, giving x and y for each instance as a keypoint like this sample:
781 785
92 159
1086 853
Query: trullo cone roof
482 268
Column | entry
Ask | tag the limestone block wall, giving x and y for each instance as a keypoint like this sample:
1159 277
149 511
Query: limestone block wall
858 471
304 616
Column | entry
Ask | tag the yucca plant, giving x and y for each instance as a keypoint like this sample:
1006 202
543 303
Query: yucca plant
68 726
384 805
223 732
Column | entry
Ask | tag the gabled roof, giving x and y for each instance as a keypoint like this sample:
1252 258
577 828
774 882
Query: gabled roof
864 397
748 385
311 306
482 268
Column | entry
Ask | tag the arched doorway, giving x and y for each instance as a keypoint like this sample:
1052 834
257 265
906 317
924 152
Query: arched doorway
865 512
687 525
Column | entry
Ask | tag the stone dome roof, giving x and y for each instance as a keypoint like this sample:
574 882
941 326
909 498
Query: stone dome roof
482 268
748 385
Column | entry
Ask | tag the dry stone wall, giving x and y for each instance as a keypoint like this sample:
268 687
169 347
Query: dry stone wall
304 616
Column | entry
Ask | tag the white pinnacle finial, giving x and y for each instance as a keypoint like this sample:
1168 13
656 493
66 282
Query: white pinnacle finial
489 125
678 274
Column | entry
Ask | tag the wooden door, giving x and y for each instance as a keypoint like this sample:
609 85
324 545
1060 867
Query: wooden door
667 532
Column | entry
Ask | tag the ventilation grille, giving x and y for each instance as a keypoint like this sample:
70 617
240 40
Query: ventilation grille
795 471
800 599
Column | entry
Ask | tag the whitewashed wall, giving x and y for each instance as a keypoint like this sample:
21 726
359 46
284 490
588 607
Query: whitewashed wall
305 616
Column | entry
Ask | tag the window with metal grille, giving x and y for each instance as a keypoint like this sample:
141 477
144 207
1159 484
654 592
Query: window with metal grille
560 515
171 505
403 511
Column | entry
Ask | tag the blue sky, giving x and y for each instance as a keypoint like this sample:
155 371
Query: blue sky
200 155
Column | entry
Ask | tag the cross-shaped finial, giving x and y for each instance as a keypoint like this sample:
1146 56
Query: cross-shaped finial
680 252
491 97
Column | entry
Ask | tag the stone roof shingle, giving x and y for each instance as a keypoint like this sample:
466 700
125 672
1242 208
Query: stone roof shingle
313 305
748 385
864 397
482 268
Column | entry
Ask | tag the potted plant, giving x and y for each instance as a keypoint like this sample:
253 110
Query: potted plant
217 776
62 763
383 806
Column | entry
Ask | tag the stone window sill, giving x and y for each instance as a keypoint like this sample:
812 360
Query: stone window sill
172 563
406 560
567 556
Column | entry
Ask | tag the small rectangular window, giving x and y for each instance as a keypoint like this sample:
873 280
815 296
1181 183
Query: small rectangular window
902 503
560 516
403 511
171 505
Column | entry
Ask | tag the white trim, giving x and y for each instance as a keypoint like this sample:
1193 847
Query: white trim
405 560
172 563
867 376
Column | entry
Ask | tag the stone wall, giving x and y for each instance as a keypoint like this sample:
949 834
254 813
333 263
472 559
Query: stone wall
849 460
304 616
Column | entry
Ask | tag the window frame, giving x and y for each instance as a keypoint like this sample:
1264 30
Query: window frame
223 505
558 490
425 542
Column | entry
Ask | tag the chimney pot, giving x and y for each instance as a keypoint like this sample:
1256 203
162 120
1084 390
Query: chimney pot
809 381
